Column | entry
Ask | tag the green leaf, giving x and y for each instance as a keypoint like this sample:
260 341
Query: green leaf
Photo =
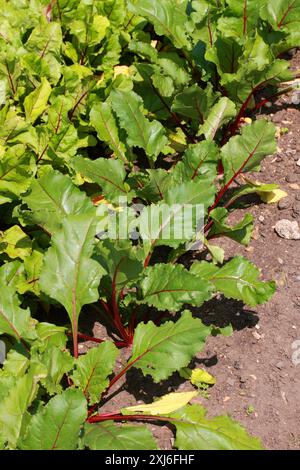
104 122
111 436
199 162
69 275
176 219
14 321
237 279
168 19
36 102
58 363
13 407
219 115
240 232
160 351
282 14
169 287
194 102
195 431
92 370
108 174
244 152
52 197
57 425
142 133
16 169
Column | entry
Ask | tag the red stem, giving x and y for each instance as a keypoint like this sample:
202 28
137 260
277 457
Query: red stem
120 344
285 14
120 417
211 41
115 307
245 17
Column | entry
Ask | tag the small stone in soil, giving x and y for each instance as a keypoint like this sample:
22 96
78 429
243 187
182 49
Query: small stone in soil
287 229
284 203
279 365
292 178
261 218
296 209
230 382
297 197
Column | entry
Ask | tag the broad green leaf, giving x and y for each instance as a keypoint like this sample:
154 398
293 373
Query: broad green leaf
194 102
93 369
14 321
108 174
169 287
36 102
15 363
178 218
14 406
32 268
195 431
220 114
50 335
52 197
240 232
225 54
58 363
237 279
57 425
16 169
199 162
103 120
168 19
149 135
69 275
15 243
161 350
244 152
12 274
111 436
164 405
282 14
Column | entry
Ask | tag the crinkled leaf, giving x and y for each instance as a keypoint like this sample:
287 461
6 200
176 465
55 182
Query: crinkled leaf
36 102
195 431
92 370
161 350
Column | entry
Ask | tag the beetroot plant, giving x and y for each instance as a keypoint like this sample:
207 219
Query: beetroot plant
119 121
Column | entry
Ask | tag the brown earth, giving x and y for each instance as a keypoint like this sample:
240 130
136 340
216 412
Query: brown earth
258 383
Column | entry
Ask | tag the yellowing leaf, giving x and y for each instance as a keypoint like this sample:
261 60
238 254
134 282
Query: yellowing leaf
166 404
15 243
201 376
272 197
121 70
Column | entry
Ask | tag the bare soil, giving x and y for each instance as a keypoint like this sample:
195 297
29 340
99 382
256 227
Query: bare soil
258 383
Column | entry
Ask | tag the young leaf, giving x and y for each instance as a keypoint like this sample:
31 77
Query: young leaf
142 133
169 287
244 152
111 436
160 351
164 405
36 102
53 197
57 425
69 275
104 122
194 103
237 279
195 431
92 370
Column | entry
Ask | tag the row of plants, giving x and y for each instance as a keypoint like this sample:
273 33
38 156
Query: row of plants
148 101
